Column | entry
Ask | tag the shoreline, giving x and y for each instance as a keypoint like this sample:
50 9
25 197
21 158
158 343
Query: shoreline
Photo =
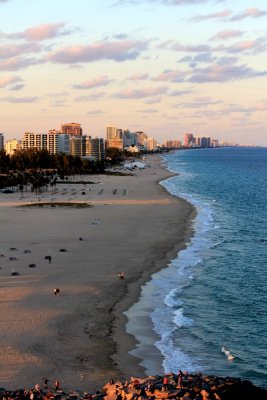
86 326
127 349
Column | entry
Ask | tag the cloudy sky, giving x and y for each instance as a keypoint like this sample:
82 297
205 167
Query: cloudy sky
162 66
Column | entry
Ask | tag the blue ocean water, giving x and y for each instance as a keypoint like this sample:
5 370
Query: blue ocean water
213 297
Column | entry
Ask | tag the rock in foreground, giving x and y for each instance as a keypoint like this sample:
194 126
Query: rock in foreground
180 387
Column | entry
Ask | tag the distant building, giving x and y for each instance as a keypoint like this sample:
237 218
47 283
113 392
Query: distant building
114 137
75 145
173 144
1 141
205 142
188 140
98 149
129 138
117 143
214 143
86 145
152 144
52 142
37 141
113 132
141 139
12 146
71 128
64 143
198 141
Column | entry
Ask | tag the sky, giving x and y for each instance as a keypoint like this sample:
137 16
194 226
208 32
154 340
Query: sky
165 67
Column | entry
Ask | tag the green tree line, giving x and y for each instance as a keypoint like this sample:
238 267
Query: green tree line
39 167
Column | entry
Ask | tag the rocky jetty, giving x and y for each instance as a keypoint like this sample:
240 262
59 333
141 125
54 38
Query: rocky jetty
182 386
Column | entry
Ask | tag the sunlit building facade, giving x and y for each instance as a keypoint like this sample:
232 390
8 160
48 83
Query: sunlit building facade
11 146
71 128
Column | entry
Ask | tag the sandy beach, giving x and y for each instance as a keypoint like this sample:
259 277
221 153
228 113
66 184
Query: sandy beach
78 337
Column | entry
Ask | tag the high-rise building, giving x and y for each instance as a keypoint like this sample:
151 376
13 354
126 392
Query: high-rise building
1 141
141 139
12 146
188 139
52 142
76 145
98 149
71 128
37 141
205 142
152 144
86 145
129 138
114 137
64 143
173 144
41 141
113 132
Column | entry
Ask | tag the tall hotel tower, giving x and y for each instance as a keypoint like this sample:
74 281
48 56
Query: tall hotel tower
71 128
114 137
188 139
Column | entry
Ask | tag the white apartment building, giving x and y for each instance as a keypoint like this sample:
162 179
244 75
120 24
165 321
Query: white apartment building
36 141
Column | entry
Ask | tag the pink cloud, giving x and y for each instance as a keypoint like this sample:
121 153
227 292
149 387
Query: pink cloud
191 48
228 34
217 15
138 76
141 93
103 50
13 50
99 81
200 102
257 45
15 63
249 13
44 31
40 32
20 99
92 96
7 80
170 75
204 51
223 73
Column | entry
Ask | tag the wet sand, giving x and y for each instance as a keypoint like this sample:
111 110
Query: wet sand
79 336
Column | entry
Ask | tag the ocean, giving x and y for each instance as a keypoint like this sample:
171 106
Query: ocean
208 308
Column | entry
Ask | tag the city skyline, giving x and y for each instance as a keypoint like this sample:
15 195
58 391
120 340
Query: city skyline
165 67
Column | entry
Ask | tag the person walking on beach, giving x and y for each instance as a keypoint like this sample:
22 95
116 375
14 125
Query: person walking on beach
56 291
56 385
